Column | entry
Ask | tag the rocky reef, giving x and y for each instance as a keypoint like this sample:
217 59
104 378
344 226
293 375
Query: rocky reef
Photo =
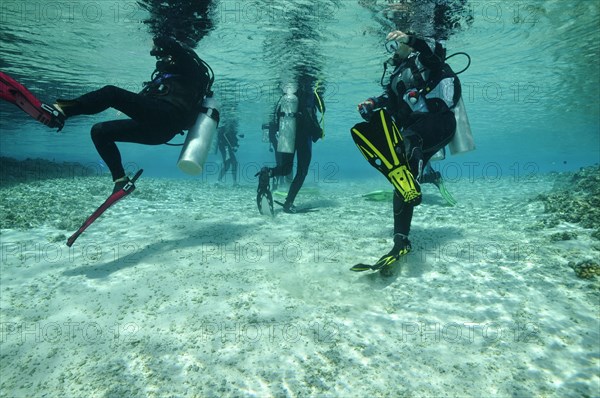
586 269
576 199
38 191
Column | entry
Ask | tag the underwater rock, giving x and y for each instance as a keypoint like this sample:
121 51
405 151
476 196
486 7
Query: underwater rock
13 171
586 269
36 192
560 236
575 199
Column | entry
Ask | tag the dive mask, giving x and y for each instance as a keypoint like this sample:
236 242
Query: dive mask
392 46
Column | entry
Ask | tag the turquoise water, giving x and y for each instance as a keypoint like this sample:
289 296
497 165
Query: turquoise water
531 92
183 289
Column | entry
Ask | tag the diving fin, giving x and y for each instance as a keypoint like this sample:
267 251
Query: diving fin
444 192
294 210
435 178
381 143
379 196
14 92
128 188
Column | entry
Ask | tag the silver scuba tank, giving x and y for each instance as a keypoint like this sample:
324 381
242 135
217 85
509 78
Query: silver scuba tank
463 139
265 132
199 138
288 108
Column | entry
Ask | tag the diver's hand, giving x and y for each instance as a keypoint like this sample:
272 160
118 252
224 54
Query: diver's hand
366 109
398 36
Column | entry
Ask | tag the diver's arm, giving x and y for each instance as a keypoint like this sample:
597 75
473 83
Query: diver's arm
367 107
377 102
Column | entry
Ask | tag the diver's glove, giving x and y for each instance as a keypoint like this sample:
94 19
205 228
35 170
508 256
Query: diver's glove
366 109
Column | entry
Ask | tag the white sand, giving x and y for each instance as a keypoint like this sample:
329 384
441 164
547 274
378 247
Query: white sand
184 290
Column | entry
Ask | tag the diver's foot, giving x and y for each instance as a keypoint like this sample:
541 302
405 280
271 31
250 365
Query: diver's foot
123 183
401 247
57 117
431 178
66 106
289 208
59 109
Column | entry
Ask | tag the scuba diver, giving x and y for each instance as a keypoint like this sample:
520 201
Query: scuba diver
299 128
406 126
167 104
228 144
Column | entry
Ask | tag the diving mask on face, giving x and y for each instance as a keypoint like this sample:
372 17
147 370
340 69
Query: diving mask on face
392 46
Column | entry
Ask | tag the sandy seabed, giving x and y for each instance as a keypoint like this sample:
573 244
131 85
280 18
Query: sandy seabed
185 290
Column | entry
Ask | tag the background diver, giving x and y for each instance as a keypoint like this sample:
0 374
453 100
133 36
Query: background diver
228 144
166 105
303 130
418 99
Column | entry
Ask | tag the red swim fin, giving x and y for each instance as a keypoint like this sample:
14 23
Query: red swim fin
14 92
112 199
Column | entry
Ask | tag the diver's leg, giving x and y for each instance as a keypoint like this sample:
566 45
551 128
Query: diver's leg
138 107
403 213
304 156
381 143
224 164
284 167
234 165
105 134
425 137
435 132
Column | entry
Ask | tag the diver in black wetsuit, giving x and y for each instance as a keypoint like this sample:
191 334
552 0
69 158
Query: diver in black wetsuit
307 132
227 144
420 97
167 104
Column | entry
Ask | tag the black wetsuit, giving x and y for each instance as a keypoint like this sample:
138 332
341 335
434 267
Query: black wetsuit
162 109
427 129
227 144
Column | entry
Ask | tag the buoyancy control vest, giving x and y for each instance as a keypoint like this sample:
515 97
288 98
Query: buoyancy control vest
420 89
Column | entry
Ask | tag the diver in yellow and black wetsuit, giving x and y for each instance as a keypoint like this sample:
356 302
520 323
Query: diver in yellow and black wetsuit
407 125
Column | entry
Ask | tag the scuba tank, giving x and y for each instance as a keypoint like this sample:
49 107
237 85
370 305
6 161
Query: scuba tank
265 133
463 139
288 107
199 138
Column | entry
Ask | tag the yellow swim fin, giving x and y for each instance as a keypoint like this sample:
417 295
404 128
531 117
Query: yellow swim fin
381 143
